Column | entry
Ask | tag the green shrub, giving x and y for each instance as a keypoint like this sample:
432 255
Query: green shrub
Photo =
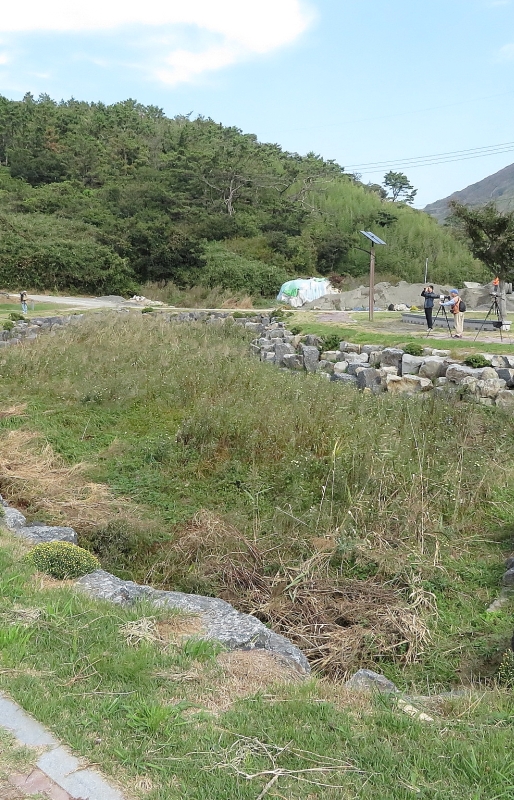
16 316
237 273
505 674
62 560
8 325
477 361
295 330
413 349
147 310
331 341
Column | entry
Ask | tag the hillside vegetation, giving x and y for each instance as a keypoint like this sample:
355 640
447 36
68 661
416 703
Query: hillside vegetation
101 199
370 530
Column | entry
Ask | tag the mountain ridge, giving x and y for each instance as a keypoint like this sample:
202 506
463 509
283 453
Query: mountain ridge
498 187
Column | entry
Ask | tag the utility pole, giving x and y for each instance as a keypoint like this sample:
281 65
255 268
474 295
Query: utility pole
426 270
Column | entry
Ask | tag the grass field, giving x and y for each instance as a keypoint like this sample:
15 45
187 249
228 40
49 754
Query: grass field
371 530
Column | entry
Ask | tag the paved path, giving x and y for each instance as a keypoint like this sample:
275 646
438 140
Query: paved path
58 774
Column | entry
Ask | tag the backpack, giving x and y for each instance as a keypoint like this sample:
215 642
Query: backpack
462 305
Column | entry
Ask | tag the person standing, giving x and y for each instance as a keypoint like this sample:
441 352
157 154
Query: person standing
23 301
458 316
428 294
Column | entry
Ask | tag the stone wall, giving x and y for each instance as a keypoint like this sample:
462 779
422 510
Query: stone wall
377 369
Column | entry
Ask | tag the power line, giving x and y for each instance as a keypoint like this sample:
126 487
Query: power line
427 161
478 150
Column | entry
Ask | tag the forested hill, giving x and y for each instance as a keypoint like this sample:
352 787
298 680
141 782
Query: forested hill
101 198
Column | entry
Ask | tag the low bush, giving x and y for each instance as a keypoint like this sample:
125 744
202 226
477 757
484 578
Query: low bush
147 310
413 349
16 316
62 560
331 341
8 325
477 361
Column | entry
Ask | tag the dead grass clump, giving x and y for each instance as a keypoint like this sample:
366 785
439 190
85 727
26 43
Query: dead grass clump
161 632
214 549
340 626
33 477
243 673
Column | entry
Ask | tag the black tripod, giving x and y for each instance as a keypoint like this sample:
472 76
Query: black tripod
498 322
443 309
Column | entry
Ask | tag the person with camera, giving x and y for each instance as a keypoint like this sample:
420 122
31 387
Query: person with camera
430 296
455 304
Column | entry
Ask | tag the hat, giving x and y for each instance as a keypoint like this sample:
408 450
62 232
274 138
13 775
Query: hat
454 291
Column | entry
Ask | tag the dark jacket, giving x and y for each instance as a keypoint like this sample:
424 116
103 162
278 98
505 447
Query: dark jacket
429 298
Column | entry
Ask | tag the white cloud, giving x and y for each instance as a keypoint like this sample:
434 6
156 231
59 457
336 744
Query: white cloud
506 53
236 29
4 58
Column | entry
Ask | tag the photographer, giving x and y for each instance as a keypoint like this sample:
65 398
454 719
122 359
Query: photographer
430 296
458 316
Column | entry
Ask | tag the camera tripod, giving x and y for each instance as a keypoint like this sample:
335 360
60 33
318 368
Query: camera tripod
498 322
443 309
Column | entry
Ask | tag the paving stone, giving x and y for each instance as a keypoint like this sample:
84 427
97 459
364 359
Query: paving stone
37 782
26 730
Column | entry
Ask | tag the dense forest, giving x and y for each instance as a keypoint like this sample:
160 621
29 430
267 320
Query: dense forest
102 199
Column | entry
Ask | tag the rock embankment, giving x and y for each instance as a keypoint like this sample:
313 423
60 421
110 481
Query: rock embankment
375 368
220 621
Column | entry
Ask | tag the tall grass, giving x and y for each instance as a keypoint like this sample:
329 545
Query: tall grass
178 418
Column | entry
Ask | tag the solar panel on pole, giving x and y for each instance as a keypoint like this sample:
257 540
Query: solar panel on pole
374 239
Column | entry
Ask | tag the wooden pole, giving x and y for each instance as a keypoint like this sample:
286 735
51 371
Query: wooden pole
371 281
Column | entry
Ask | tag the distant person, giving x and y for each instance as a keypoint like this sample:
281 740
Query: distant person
23 301
430 296
454 304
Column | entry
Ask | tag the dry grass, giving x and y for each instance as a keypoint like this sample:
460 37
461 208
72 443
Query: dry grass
161 632
241 674
34 479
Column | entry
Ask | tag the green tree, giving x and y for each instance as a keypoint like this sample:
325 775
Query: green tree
490 234
399 188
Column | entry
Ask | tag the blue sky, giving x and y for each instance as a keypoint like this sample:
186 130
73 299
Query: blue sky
359 81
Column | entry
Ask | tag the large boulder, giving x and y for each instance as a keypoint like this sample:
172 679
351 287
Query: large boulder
282 349
507 374
505 400
310 357
293 361
340 367
356 358
391 357
457 372
411 364
433 367
369 378
349 347
220 620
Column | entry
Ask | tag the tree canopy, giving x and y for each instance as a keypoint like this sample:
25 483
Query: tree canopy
491 236
157 199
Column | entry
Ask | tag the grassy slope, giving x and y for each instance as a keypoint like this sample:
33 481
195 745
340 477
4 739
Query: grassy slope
180 419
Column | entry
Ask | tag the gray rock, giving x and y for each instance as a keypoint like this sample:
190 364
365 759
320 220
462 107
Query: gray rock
356 358
325 366
293 361
343 377
457 372
331 355
282 349
221 621
365 680
508 578
488 373
432 368
506 374
391 357
375 357
509 563
13 519
505 399
47 533
372 348
349 347
441 353
490 388
341 367
310 357
354 367
411 364
369 378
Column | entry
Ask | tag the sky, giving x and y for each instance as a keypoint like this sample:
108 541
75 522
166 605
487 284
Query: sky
374 85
